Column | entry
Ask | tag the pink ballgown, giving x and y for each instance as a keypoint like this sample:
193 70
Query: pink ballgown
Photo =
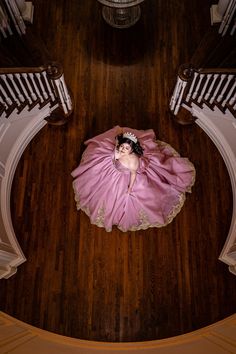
158 194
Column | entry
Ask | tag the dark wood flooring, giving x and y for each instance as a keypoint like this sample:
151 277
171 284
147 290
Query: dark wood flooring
79 280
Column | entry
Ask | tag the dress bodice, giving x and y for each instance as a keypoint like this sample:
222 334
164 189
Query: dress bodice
120 167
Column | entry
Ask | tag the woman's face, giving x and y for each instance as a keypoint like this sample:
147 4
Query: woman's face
125 149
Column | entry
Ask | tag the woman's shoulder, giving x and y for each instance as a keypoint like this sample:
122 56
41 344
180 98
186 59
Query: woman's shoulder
131 162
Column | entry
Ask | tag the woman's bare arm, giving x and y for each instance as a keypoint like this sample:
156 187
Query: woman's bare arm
132 180
133 166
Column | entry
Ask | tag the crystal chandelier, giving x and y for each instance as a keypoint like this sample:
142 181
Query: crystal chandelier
121 13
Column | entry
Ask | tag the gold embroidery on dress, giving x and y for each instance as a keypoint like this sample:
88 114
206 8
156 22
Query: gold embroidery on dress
144 221
172 150
100 217
99 221
77 198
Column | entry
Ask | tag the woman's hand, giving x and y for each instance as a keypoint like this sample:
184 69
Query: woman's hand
131 181
129 190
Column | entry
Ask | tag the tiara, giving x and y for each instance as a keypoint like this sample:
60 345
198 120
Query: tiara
130 136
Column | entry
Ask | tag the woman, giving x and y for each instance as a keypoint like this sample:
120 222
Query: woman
129 179
128 151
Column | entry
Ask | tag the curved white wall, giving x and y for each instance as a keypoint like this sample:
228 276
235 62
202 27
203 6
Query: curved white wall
15 134
222 130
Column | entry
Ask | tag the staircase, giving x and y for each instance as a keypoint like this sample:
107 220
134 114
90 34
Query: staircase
29 99
214 88
23 89
208 98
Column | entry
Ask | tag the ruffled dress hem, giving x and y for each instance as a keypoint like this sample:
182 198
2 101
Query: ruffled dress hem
143 217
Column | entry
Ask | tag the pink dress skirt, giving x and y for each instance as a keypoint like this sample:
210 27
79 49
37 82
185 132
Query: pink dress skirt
158 194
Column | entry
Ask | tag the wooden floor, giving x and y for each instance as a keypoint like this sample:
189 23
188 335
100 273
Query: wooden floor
78 280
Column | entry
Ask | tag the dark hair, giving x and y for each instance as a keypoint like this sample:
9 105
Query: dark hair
136 147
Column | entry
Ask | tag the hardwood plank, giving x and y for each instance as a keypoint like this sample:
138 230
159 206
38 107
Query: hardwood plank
79 280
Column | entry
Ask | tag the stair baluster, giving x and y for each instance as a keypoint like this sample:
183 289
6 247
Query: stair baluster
212 87
30 87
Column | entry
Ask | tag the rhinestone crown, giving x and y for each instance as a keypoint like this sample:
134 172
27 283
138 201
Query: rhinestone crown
130 136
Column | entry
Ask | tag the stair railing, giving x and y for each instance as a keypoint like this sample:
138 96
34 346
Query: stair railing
228 20
24 88
212 87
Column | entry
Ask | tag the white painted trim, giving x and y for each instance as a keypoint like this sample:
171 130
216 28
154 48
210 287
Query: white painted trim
27 131
227 147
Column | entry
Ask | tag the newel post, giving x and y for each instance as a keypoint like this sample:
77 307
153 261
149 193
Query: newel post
63 95
180 114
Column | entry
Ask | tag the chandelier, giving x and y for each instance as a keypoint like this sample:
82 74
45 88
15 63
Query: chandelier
121 13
